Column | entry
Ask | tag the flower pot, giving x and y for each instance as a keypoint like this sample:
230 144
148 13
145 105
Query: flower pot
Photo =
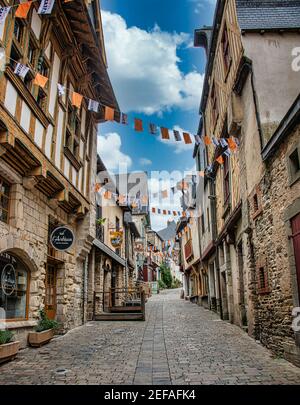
37 339
8 351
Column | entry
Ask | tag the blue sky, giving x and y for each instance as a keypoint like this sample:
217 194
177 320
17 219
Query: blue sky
157 76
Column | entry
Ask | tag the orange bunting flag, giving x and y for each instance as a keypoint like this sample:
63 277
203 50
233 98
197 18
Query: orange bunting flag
220 160
107 195
207 140
231 143
153 210
164 133
23 9
76 99
175 213
97 187
187 138
144 199
138 125
109 114
122 199
164 212
164 194
40 80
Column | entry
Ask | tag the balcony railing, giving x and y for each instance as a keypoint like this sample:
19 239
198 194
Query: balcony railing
188 250
100 232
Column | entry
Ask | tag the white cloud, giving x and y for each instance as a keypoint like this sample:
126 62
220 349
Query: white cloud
145 162
109 149
201 4
144 68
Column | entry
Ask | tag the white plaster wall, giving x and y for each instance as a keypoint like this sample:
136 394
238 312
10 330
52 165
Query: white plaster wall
54 81
276 84
83 121
36 24
10 100
59 137
38 133
74 176
48 142
25 117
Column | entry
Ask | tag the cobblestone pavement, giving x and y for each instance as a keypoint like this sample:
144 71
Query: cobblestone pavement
180 343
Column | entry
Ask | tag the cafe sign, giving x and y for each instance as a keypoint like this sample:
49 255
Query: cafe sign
62 238
116 238
8 279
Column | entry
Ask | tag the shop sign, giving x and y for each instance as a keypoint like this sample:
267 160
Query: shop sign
62 238
8 279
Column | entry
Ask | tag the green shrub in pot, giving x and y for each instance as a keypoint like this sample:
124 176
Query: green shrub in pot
6 336
45 323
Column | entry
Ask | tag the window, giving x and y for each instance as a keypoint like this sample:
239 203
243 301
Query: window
117 224
202 224
42 98
15 56
13 287
18 31
294 165
208 220
255 202
4 200
262 280
31 53
214 105
226 180
226 51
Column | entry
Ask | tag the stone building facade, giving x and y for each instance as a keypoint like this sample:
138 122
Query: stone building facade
239 99
48 162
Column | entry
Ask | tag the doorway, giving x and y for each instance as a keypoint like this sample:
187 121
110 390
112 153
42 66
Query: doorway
50 297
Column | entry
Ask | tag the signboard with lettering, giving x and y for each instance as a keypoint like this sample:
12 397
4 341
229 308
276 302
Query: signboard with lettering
116 238
62 238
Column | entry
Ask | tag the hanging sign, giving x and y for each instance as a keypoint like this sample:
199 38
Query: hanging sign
116 239
62 238
8 279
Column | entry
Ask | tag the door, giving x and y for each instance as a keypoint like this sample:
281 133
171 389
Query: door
296 240
50 298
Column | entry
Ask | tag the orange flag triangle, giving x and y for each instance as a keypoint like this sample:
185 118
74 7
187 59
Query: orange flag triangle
220 160
187 138
109 114
40 80
76 99
138 125
207 140
164 133
23 9
231 143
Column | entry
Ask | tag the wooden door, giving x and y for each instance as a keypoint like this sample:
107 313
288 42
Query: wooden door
50 298
296 241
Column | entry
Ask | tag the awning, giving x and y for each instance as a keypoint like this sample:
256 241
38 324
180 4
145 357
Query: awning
104 248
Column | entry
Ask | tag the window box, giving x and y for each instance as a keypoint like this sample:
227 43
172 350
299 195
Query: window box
38 339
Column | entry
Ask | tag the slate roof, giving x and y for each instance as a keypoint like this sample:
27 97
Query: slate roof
268 14
169 232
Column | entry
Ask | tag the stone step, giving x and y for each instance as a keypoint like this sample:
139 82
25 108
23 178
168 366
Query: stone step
133 316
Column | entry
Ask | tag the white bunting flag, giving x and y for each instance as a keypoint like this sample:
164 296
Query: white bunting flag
21 70
46 6
61 89
93 105
3 13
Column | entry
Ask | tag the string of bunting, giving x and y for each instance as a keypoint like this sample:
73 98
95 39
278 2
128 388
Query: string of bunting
46 6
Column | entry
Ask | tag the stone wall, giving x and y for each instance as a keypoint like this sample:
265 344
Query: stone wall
271 248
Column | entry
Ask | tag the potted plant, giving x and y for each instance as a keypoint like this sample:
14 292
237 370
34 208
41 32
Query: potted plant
8 348
44 331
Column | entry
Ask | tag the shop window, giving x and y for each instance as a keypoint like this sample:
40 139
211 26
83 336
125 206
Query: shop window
294 165
14 284
4 200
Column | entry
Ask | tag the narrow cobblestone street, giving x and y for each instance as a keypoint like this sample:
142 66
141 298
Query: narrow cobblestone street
180 343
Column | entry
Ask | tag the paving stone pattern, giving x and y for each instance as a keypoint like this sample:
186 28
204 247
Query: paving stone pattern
180 343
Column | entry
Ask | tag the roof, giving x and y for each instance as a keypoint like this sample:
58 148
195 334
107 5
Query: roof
169 232
107 250
252 15
268 14
286 126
